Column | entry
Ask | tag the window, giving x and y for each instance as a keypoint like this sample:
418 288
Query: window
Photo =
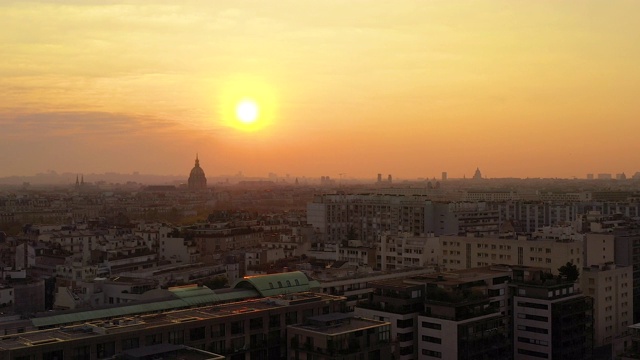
53 355
431 339
274 321
405 337
435 354
153 339
402 324
176 337
106 350
430 325
533 353
132 343
81 353
255 324
237 327
533 305
197 334
533 329
291 318
406 350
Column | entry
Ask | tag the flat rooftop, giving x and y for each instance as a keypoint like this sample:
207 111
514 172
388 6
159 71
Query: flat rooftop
167 318
169 351
344 324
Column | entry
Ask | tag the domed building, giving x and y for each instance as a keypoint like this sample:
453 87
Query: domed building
197 180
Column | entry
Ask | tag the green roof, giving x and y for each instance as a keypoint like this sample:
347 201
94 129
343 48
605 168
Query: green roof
277 284
188 296
185 297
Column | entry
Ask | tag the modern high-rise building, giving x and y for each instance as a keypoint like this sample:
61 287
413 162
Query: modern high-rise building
551 318
337 336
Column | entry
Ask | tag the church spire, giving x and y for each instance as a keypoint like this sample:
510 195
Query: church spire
197 161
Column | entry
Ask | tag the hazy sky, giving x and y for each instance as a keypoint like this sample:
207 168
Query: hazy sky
411 88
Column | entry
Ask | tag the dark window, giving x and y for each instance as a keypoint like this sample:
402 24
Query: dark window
80 353
132 343
255 324
435 354
176 337
533 305
533 329
431 339
53 355
197 333
217 330
533 353
430 325
533 317
153 339
106 350
291 318
274 321
237 327
402 324
407 350
405 337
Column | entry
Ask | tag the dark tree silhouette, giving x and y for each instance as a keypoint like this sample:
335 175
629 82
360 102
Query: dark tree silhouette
569 271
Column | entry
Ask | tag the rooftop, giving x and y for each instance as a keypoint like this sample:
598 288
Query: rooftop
139 322
169 351
338 323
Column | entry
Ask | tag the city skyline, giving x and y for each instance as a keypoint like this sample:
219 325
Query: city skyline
411 88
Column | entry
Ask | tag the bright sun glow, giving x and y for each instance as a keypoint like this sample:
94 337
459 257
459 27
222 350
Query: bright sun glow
246 103
247 111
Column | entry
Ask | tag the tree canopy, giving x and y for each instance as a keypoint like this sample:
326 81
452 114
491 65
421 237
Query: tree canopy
569 271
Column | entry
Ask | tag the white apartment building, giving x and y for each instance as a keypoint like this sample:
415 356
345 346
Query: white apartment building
356 254
407 251
465 252
611 288
599 249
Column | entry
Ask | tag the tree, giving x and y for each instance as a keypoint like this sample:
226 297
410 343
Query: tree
569 271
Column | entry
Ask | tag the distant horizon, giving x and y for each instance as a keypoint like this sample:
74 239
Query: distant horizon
131 176
520 89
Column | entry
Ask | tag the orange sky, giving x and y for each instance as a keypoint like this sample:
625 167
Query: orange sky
411 88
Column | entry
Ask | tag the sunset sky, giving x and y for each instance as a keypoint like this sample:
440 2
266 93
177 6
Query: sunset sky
412 88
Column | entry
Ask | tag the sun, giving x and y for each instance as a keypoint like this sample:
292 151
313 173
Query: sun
246 103
247 111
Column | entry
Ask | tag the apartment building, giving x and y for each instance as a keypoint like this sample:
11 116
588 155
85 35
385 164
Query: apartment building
249 329
551 319
407 251
399 303
611 288
466 252
366 216
627 253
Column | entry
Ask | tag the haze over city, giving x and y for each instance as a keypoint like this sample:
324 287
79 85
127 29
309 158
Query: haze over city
412 88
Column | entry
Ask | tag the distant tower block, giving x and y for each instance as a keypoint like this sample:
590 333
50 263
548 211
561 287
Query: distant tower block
379 178
389 178
590 176
444 176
